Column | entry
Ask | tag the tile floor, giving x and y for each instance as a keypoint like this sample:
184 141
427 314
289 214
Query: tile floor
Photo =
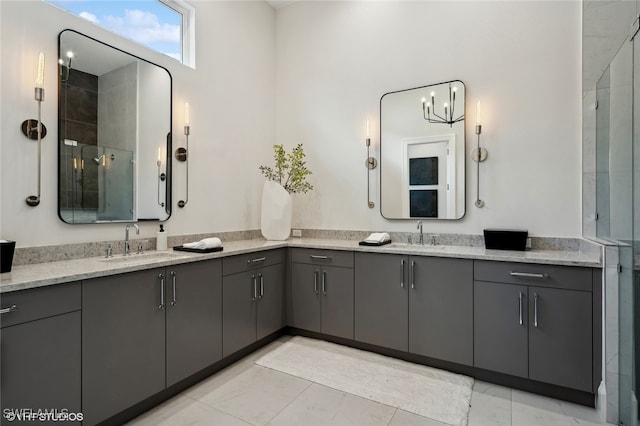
246 394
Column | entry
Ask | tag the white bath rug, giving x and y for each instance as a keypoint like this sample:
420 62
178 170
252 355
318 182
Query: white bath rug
422 390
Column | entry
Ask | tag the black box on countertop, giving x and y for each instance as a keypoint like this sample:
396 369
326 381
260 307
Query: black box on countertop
505 239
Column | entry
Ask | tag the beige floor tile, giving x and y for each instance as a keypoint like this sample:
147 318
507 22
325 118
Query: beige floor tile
404 418
529 409
525 400
319 405
256 395
490 405
182 410
231 372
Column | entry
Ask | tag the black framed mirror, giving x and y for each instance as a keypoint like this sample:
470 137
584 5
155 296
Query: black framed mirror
422 152
114 145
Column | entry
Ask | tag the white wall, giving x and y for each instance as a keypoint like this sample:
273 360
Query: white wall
329 63
231 94
521 59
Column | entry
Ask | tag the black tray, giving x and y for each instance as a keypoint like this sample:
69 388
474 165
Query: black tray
366 243
195 250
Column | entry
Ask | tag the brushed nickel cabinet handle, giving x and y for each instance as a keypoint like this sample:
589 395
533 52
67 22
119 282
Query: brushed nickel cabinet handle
412 273
254 290
173 284
317 257
402 273
315 281
261 285
256 260
161 276
535 310
528 275
10 309
324 282
520 306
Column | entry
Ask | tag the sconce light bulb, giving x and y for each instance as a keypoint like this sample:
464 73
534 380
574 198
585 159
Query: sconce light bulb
70 54
40 77
60 61
455 88
433 94
368 133
478 121
186 113
446 105
424 100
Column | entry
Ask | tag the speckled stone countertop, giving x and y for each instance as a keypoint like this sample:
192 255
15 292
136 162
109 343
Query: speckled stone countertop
43 274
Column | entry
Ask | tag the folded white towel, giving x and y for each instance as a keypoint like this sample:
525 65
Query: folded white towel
207 243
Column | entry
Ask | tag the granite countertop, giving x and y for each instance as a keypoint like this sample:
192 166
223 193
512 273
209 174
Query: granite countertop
43 274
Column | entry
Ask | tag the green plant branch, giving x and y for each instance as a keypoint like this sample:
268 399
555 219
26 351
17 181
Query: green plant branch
291 167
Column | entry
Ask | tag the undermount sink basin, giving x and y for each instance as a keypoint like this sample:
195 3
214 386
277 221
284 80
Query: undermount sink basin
154 255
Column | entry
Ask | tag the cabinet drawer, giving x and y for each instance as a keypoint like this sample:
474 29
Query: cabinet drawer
249 261
567 277
40 302
323 257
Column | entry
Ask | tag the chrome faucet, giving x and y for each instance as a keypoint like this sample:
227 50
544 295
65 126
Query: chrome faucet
126 237
421 240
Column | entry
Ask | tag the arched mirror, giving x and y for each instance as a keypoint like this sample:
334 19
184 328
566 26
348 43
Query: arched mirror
114 149
422 152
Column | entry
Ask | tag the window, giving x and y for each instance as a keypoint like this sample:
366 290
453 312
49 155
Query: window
162 25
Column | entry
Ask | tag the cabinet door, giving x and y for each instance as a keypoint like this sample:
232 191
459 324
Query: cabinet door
239 298
441 308
381 300
305 296
123 342
41 364
194 318
500 337
270 315
560 337
336 292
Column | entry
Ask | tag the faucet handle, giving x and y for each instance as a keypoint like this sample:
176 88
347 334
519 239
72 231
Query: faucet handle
409 239
141 244
109 251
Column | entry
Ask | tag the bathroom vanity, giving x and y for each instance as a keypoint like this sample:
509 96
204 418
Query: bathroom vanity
110 339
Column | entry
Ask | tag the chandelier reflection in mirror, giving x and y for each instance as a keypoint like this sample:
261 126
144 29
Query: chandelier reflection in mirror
429 109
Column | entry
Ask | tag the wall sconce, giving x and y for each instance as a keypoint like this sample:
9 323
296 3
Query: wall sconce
449 109
161 175
34 129
65 70
478 155
371 164
182 154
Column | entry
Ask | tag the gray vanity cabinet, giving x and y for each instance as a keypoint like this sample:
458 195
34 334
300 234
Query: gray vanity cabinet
381 300
144 331
560 338
535 321
500 328
194 318
422 305
322 291
253 298
441 308
40 349
123 342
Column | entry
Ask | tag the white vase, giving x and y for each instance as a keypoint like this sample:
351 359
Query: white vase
275 222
